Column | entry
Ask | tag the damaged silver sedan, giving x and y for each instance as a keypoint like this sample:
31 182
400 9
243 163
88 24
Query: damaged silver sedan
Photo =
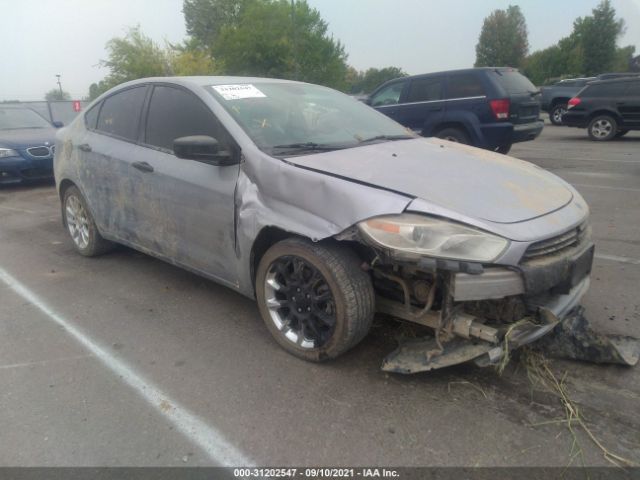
327 212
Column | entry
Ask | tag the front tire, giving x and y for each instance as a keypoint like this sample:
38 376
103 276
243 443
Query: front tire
602 128
315 299
555 115
81 226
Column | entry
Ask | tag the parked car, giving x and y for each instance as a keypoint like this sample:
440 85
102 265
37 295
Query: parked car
26 146
326 211
489 108
555 97
607 109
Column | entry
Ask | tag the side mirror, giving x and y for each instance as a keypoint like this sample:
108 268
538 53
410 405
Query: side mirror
367 101
57 124
202 148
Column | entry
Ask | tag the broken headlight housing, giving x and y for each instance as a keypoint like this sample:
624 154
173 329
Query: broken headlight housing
413 235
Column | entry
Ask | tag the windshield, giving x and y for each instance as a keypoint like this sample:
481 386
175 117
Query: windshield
17 118
294 118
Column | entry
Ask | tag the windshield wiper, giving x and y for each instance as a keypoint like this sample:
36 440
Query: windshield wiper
308 146
385 137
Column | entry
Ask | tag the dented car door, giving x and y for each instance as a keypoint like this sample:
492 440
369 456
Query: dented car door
185 208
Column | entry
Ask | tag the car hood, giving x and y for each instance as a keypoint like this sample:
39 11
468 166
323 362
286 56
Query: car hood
467 180
27 137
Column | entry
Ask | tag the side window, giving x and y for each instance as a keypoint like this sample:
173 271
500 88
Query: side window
425 90
175 113
389 95
464 85
604 90
120 113
91 117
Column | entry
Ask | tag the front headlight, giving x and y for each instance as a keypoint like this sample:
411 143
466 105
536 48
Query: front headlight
7 152
432 237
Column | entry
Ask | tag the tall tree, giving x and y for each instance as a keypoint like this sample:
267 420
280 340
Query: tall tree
591 49
56 95
598 35
134 56
503 39
272 39
137 56
205 18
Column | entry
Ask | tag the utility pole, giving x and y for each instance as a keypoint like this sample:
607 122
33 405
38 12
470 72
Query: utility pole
60 86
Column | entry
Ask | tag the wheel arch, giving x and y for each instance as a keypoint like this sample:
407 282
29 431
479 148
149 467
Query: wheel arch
270 235
611 113
64 185
457 124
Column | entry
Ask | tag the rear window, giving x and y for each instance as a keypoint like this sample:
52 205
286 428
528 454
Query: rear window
514 82
91 117
120 113
464 86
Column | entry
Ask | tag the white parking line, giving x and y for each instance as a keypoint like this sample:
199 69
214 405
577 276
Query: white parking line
12 209
43 362
216 446
616 258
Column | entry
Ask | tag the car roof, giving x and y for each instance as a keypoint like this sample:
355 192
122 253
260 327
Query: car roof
467 70
615 80
203 81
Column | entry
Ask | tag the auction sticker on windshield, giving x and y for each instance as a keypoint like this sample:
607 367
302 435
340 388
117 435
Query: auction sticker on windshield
238 92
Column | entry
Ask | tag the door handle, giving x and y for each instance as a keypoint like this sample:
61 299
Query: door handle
85 147
621 103
143 166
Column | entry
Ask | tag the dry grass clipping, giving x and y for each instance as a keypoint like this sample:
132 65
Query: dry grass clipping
540 373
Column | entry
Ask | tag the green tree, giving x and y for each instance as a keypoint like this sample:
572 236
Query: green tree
624 59
137 56
205 18
503 39
134 56
366 82
598 35
589 50
55 94
271 39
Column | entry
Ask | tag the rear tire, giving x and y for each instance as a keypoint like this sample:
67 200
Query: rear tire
80 224
315 299
454 135
555 115
602 128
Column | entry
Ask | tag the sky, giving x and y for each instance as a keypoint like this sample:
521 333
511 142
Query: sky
42 38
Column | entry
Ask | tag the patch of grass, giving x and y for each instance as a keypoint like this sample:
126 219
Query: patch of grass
540 373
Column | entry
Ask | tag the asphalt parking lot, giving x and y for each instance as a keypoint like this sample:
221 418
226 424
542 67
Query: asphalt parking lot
126 360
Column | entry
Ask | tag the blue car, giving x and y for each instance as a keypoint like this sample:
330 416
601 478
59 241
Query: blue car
490 108
27 143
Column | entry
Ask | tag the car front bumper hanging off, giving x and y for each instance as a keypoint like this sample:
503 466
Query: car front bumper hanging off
560 321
